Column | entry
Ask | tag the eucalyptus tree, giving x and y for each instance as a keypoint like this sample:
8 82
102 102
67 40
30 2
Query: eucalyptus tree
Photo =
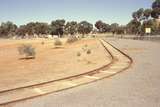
7 29
99 25
41 28
106 28
147 13
134 27
30 28
85 27
114 27
21 31
71 27
138 15
102 27
156 9
121 29
57 27
140 18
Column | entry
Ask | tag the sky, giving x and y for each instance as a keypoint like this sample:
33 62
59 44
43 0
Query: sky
110 11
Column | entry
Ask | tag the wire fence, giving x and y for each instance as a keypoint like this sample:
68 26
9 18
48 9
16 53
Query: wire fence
155 38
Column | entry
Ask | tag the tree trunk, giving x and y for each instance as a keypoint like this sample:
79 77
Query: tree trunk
157 22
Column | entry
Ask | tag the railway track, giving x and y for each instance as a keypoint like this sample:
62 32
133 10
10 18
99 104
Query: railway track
119 62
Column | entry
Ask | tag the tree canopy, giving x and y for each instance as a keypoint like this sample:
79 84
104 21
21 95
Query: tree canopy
71 27
57 27
102 27
7 29
156 9
85 27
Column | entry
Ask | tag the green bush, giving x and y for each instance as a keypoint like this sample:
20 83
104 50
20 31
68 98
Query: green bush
27 50
72 39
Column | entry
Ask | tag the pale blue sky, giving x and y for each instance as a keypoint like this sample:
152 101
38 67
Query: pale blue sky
110 11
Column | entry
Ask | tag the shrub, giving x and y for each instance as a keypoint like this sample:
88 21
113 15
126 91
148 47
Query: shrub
72 39
85 48
42 42
93 36
57 42
86 45
78 54
27 50
88 51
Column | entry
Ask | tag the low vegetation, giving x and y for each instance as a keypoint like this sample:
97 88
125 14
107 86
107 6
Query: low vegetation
85 48
42 43
72 39
57 42
78 54
27 50
84 54
88 51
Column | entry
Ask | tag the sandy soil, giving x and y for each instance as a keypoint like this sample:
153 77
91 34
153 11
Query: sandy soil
51 63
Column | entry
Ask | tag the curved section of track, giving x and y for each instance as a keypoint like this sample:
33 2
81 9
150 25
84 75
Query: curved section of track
119 62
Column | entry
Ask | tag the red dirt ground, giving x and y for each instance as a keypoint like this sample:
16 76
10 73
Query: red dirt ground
51 63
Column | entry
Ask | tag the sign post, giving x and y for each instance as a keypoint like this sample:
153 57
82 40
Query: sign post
148 30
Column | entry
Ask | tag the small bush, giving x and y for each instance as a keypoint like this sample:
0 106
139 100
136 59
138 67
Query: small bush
72 39
42 42
57 42
85 48
27 50
88 51
86 45
78 54
93 36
